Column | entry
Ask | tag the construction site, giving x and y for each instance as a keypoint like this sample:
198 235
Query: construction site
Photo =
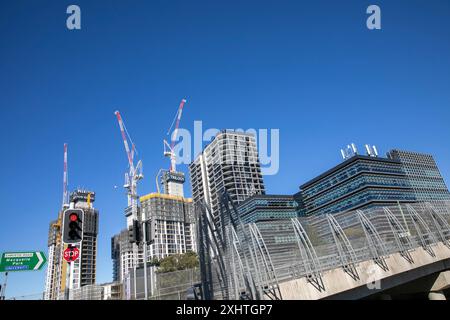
158 224
62 278
250 245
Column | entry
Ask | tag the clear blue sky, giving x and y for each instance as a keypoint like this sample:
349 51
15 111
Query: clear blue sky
311 69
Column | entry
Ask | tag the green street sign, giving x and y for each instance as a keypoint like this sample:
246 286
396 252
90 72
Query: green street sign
22 261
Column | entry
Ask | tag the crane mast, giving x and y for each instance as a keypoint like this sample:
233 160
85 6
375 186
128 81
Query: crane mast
65 200
171 179
170 152
134 173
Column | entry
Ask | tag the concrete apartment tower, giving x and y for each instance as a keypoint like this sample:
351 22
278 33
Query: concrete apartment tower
229 162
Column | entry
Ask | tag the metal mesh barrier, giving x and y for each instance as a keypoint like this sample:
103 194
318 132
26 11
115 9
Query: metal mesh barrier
257 257
89 292
163 286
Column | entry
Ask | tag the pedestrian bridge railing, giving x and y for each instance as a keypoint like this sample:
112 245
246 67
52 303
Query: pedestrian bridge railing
251 260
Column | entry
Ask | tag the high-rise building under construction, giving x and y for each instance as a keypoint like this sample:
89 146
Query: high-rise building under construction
88 253
174 224
174 232
53 276
170 214
54 270
83 272
124 254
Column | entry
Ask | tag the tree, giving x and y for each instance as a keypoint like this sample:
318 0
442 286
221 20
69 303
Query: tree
155 262
188 260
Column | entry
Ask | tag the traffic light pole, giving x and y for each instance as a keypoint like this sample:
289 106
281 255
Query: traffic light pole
135 290
66 290
145 259
71 267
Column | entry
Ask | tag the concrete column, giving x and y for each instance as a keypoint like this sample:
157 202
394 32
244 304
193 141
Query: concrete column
436 295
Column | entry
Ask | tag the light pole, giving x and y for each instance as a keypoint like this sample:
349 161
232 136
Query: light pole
144 231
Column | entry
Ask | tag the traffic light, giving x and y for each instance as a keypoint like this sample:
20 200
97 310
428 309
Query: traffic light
73 226
150 230
134 232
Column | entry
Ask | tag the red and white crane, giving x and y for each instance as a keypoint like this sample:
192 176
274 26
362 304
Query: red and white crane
65 200
134 173
169 152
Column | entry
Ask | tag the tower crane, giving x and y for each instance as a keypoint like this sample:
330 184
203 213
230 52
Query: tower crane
169 149
134 173
169 175
65 200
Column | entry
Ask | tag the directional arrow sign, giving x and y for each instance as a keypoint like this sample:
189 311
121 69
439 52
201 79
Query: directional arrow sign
22 261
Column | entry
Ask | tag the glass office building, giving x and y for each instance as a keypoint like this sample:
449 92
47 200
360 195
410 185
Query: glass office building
423 174
360 182
268 207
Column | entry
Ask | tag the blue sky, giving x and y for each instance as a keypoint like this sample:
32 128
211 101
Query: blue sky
309 68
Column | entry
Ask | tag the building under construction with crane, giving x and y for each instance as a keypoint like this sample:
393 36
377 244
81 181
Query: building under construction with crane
170 214
54 276
59 276
125 255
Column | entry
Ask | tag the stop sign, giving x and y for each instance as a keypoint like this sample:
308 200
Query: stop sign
71 254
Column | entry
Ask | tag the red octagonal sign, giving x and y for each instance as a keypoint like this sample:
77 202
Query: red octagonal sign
71 254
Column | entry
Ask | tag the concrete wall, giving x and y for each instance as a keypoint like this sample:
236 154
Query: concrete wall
341 285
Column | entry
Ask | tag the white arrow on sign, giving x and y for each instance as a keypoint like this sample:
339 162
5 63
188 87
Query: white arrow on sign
41 260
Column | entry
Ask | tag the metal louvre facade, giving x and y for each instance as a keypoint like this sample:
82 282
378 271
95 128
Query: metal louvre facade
423 174
268 207
249 261
359 182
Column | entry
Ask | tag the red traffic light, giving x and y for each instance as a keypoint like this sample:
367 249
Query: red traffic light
73 217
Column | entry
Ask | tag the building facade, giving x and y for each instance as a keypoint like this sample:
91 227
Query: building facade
88 254
83 272
229 162
174 227
53 274
112 291
423 174
360 182
124 254
175 224
260 208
